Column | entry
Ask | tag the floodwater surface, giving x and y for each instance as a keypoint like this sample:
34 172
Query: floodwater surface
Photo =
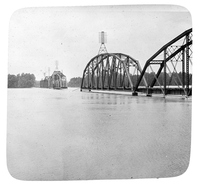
71 135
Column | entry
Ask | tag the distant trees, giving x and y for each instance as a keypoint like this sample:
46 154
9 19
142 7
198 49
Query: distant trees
37 84
172 79
25 80
12 81
75 82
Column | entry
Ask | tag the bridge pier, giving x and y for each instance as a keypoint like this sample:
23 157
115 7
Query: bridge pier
149 92
134 94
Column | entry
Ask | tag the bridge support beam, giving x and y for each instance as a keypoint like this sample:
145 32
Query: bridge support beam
187 66
183 68
165 75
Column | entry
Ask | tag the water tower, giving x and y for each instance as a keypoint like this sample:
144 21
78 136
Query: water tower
102 41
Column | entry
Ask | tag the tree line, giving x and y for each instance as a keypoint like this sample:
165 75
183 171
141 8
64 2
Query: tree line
27 80
171 79
75 82
24 80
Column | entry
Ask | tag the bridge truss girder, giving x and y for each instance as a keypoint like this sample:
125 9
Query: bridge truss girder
173 58
111 71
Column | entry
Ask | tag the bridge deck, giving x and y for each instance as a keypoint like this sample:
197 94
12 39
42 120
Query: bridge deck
149 91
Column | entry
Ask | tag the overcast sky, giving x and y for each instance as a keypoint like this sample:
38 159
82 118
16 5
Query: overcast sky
38 37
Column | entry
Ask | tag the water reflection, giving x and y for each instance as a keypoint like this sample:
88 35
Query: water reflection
86 135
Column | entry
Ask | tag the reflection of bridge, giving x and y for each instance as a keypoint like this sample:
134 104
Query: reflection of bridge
170 70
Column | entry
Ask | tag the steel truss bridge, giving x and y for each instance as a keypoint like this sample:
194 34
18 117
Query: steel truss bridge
168 71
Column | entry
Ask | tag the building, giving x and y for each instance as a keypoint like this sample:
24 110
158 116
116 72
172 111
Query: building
57 81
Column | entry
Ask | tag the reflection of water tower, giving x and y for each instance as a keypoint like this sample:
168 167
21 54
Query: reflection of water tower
102 40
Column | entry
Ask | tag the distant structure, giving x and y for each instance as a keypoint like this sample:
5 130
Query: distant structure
102 41
56 81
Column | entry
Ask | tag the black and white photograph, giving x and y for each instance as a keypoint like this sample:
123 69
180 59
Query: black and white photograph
99 92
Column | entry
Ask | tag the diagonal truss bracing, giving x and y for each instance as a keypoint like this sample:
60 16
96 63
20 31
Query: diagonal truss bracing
111 71
171 62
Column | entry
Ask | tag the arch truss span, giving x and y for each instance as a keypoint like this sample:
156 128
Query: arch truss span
169 70
111 71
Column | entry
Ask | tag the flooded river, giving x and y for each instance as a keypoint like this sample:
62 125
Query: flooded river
68 134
